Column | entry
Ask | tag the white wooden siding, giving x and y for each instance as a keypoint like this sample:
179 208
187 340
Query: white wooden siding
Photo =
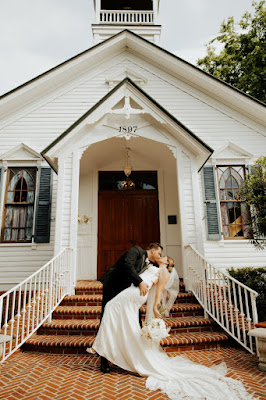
44 121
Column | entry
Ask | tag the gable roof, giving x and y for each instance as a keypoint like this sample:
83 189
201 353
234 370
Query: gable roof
206 150
173 64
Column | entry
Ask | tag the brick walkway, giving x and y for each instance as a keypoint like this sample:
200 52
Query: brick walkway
61 377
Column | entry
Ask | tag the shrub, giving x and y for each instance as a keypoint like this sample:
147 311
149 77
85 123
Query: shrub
255 278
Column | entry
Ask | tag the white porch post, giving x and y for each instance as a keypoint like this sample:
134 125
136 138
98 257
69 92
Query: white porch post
74 212
59 205
182 216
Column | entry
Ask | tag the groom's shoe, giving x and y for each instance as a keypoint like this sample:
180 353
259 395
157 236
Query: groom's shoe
104 365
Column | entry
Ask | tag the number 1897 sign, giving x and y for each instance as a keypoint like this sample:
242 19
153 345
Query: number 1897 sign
128 129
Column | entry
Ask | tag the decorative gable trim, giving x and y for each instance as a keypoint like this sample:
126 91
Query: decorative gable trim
230 153
118 101
123 74
172 64
21 153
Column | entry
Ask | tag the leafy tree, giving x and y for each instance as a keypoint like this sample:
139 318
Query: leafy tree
241 62
253 191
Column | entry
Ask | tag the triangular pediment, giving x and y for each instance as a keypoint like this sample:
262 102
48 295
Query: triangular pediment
231 152
22 152
126 111
131 43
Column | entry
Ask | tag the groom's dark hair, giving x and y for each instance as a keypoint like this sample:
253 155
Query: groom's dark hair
154 245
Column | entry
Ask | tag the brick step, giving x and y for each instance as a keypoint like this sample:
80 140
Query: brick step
96 299
89 327
58 344
85 312
95 287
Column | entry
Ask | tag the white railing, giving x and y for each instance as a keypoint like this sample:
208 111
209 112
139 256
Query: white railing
126 17
24 308
229 302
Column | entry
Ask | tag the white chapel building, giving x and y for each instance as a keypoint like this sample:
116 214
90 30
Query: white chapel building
122 145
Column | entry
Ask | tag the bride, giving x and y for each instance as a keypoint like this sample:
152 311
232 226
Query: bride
121 340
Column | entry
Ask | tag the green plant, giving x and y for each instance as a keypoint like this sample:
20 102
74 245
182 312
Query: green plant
253 191
255 278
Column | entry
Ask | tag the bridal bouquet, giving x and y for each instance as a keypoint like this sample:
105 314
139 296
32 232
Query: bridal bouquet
155 329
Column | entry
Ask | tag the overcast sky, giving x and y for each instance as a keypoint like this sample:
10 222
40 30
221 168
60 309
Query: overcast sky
36 35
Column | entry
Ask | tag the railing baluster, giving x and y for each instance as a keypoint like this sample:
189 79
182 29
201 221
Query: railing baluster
236 310
12 320
23 312
29 308
34 304
248 320
242 315
220 295
18 317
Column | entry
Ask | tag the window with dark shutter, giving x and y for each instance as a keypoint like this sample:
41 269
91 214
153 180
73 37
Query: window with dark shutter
43 207
19 205
234 211
211 204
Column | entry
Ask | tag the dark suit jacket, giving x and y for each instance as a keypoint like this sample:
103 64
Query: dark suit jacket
124 272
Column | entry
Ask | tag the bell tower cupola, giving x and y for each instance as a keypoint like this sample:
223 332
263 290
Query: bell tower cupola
139 16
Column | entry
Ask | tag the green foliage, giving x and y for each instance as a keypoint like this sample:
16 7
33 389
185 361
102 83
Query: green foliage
241 62
255 278
253 191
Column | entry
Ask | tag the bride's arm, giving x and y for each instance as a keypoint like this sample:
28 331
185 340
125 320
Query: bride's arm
164 276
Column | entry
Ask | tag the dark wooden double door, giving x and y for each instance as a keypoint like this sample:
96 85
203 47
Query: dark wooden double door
125 219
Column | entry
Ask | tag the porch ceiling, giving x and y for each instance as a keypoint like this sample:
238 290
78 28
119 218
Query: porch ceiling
145 154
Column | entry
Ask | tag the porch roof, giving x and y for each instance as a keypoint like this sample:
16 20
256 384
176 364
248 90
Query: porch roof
49 153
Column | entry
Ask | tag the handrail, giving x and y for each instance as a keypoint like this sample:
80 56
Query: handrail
126 17
229 302
24 308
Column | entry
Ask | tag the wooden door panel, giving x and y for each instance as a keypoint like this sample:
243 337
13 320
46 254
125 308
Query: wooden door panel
125 219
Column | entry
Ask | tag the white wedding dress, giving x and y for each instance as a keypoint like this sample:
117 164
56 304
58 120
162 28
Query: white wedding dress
119 340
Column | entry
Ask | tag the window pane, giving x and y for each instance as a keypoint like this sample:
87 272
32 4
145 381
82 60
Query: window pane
23 216
143 180
231 212
7 234
31 196
30 217
16 217
28 233
29 180
234 183
225 219
229 195
14 234
21 234
10 195
9 212
15 180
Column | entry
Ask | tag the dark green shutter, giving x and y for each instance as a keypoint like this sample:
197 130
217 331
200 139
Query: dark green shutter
211 203
43 206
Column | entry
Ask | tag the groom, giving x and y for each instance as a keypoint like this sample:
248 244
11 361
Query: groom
125 272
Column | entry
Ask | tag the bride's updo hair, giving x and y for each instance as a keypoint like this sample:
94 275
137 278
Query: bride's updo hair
171 264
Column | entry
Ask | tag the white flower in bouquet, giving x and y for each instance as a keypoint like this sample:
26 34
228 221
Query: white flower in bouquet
155 329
